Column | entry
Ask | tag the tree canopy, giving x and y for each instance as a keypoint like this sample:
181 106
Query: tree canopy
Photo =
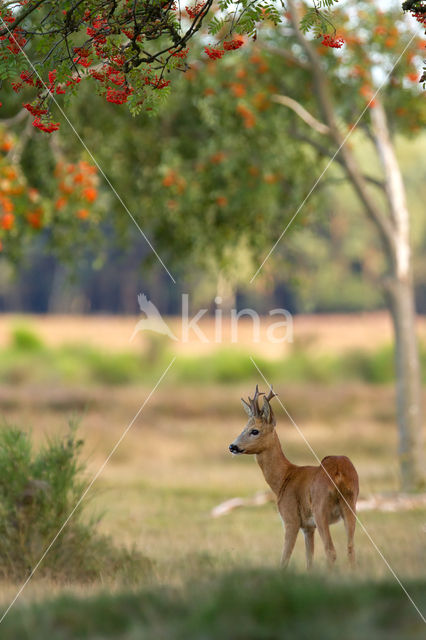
128 50
222 166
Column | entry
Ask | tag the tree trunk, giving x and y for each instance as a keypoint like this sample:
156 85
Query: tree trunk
400 294
225 292
408 387
394 231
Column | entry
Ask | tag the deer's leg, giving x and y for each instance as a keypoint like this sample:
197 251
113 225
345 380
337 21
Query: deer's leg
291 531
321 520
309 546
349 518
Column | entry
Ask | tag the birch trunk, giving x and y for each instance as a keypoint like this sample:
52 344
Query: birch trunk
400 294
394 231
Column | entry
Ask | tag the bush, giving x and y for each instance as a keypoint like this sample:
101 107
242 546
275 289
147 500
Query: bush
300 366
38 490
114 368
83 363
225 365
377 367
24 339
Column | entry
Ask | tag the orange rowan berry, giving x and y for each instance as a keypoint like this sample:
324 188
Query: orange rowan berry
217 157
35 218
90 194
414 76
238 89
7 221
169 179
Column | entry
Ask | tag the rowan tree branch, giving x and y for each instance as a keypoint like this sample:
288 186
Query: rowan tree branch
21 16
329 154
15 154
321 128
19 115
323 93
302 113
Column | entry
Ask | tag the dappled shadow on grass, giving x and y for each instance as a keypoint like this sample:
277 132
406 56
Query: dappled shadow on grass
241 605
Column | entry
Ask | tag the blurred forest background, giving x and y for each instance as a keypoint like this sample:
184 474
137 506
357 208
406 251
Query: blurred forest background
325 262
213 178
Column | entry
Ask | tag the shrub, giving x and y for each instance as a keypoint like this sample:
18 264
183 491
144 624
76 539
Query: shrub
114 368
225 365
38 490
377 367
24 339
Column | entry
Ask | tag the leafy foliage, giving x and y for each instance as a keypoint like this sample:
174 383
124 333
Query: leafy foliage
126 49
219 172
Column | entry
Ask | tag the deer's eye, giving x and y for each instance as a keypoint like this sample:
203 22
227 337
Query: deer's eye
254 432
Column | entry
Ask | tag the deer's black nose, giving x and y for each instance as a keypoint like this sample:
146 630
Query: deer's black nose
233 448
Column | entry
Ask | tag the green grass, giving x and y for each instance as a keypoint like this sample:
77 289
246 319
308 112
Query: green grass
241 605
27 359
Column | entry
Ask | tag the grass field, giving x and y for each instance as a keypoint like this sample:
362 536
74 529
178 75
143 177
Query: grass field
30 355
325 333
217 578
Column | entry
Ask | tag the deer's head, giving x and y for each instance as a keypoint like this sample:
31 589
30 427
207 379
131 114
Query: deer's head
257 434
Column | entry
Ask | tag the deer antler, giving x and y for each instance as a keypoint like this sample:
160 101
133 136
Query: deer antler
270 395
254 405
268 414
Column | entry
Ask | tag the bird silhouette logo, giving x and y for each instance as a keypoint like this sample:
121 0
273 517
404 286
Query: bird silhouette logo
153 320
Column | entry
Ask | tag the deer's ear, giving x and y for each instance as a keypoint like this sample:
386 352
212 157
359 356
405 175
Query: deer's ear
247 408
267 412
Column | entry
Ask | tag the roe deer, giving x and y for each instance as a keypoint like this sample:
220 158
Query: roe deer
307 496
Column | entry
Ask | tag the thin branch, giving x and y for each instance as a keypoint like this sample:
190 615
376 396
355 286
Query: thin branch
20 115
375 181
20 17
329 154
302 113
323 92
15 154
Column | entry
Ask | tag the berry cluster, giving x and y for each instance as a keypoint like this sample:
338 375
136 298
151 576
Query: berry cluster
76 185
214 53
417 8
231 45
104 43
22 207
332 41
194 12
18 203
47 126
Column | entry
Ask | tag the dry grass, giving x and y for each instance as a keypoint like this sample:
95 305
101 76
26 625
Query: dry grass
173 467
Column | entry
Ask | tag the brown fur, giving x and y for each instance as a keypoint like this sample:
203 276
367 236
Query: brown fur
308 497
